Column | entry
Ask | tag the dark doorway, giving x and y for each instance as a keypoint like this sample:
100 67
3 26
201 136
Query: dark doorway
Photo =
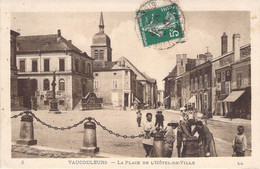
24 91
83 90
126 99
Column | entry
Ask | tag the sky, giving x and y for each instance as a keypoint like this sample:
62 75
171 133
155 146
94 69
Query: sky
202 29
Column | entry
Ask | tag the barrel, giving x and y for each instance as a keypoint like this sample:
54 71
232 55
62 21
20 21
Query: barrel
192 147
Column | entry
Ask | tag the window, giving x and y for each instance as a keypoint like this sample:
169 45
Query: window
46 102
200 83
62 84
222 76
114 84
83 64
76 65
22 65
206 81
62 64
46 65
101 54
34 66
192 84
96 54
46 84
96 84
61 102
96 74
196 83
126 73
218 86
89 68
205 101
239 79
227 87
114 74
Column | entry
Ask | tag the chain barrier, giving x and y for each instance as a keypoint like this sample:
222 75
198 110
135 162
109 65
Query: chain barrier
76 124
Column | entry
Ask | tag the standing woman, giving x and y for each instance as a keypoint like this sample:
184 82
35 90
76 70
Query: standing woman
147 129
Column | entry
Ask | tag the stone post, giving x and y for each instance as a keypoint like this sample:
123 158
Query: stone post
89 141
158 145
26 131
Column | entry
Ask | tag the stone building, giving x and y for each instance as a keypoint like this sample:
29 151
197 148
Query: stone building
169 88
222 71
16 101
131 83
200 86
38 57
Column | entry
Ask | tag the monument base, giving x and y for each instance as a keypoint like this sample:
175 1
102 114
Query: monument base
89 151
26 142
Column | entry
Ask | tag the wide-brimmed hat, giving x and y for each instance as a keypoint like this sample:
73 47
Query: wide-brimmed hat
173 123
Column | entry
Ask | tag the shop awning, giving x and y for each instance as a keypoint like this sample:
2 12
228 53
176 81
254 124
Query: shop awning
192 99
234 96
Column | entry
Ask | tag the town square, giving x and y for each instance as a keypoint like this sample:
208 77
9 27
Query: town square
97 91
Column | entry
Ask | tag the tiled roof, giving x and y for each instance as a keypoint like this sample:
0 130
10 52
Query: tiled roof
173 73
44 43
149 78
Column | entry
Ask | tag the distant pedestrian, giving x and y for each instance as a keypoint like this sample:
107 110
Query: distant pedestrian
239 143
148 129
169 138
195 114
139 118
159 119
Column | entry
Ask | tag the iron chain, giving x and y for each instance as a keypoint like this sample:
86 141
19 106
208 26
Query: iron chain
76 124
116 134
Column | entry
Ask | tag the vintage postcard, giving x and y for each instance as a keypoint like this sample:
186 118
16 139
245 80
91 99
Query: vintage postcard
130 84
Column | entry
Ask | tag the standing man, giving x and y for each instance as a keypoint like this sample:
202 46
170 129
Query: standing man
139 118
159 118
148 129
169 138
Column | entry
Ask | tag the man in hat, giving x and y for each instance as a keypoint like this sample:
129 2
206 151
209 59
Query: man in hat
169 138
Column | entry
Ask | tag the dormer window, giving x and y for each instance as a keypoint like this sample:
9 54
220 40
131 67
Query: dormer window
47 43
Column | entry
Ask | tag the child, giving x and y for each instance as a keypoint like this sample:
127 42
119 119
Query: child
169 138
240 142
159 119
139 118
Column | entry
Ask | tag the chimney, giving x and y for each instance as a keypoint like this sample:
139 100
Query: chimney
178 63
70 41
224 43
59 33
184 57
236 47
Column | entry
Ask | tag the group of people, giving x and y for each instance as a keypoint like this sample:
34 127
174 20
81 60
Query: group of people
186 129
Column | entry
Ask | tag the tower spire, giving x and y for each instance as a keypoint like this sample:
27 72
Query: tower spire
101 24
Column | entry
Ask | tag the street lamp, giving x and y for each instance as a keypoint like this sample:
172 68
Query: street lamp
54 101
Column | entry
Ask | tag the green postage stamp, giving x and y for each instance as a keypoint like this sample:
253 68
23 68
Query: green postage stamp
160 25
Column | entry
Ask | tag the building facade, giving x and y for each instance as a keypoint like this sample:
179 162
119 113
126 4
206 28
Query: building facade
200 87
224 77
16 101
132 84
41 55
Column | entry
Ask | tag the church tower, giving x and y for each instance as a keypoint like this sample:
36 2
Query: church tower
101 49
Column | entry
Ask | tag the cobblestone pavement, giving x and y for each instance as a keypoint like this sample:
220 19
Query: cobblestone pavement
119 121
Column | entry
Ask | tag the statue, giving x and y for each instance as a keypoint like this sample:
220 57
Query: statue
54 101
